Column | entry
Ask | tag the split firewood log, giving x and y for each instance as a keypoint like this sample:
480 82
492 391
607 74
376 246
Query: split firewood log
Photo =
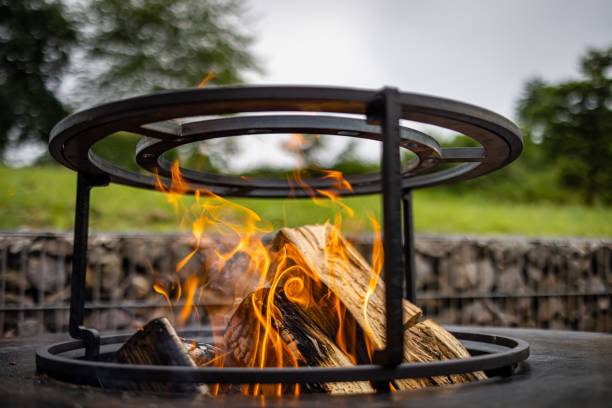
345 272
204 354
347 275
313 312
427 341
158 344
292 339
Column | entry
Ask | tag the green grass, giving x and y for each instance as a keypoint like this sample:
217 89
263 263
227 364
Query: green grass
43 198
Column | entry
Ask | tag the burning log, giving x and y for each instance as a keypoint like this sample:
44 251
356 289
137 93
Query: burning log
341 268
204 354
158 344
294 338
334 267
427 341
322 306
288 337
155 344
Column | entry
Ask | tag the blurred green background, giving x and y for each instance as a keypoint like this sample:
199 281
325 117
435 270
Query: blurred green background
107 49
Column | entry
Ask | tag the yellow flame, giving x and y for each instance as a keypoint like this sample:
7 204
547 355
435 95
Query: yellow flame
377 265
282 271
191 287
160 290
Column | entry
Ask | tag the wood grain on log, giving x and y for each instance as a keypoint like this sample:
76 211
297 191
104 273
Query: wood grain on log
158 344
294 339
348 278
427 341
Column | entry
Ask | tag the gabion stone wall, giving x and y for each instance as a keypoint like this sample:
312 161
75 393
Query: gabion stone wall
557 284
560 284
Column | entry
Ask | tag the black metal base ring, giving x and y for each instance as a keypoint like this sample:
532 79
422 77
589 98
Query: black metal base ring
65 362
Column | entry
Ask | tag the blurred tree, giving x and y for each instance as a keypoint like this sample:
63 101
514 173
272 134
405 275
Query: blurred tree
115 49
133 47
573 122
532 177
35 42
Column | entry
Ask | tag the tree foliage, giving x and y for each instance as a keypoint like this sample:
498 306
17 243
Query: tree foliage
572 121
35 42
132 47
109 49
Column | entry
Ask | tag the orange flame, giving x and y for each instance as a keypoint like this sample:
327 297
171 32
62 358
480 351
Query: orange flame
159 289
377 264
207 78
282 271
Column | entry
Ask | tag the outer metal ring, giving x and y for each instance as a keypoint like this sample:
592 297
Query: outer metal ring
72 138
59 361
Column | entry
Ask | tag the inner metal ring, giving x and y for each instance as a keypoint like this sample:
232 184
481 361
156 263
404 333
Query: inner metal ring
59 361
149 152
72 138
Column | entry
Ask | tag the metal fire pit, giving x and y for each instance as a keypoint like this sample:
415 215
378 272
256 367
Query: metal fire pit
381 111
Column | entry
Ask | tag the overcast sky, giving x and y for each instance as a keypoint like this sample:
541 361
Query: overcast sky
478 51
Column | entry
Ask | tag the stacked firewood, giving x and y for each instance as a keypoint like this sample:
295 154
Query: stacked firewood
314 307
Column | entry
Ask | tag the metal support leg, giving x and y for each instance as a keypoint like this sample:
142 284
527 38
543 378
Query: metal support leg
387 110
90 337
409 247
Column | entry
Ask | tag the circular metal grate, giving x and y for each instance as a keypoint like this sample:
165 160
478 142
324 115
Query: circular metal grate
156 119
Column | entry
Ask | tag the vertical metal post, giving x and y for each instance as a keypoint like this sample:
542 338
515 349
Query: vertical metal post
409 247
387 109
3 267
90 337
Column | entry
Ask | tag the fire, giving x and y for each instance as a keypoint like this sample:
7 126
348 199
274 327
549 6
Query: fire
210 75
191 286
377 264
157 288
282 270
